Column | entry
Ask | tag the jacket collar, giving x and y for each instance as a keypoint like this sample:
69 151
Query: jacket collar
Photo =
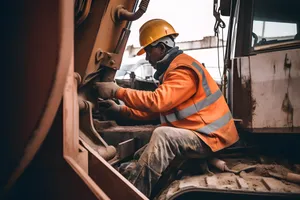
163 64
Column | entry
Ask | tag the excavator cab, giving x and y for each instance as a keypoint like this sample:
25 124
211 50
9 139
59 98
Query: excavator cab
262 48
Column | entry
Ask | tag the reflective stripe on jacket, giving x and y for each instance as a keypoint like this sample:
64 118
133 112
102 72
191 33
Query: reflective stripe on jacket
204 111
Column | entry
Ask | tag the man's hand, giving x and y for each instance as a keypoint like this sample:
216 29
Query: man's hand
109 108
107 90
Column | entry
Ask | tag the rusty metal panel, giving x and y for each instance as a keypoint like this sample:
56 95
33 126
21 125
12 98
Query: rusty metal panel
50 176
98 32
242 103
223 184
275 79
43 53
108 179
266 94
86 34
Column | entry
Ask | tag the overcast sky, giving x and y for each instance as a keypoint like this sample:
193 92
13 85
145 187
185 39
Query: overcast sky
192 19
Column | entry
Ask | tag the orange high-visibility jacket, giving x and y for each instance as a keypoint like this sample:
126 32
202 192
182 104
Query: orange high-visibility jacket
188 98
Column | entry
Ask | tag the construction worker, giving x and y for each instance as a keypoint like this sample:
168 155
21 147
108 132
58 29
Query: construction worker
195 118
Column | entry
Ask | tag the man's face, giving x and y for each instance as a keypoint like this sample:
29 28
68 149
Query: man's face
154 54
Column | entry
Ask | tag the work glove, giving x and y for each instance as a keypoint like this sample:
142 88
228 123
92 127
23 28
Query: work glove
106 90
109 108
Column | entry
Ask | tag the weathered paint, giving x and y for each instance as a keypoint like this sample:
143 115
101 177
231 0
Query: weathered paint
242 102
270 81
98 31
230 186
44 53
277 94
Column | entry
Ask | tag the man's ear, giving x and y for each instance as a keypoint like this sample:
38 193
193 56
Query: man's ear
163 48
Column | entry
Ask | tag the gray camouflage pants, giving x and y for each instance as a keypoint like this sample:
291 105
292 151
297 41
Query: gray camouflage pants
165 144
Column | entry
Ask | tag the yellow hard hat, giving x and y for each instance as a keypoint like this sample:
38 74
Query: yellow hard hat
154 30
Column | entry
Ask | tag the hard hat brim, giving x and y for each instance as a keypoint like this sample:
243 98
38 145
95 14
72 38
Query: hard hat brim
141 51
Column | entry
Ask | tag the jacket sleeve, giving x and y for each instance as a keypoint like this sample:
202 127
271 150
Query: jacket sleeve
138 115
179 85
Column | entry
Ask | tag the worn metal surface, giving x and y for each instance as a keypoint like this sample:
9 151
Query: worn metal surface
82 9
43 55
99 45
73 153
123 14
126 148
114 134
98 31
242 103
91 136
49 176
44 36
266 91
109 180
229 183
275 87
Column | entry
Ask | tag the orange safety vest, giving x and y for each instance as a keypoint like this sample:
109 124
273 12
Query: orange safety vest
206 112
